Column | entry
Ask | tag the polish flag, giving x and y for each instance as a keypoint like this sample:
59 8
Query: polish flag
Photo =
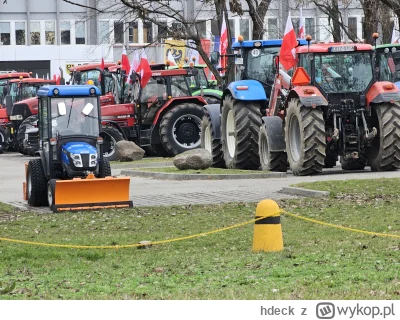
395 34
134 66
125 62
171 59
302 33
223 44
57 78
287 55
144 70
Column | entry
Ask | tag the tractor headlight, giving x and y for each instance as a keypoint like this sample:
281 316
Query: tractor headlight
77 160
93 160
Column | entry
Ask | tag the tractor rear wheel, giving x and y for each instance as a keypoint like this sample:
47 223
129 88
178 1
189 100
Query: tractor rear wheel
211 144
180 128
305 138
51 192
3 140
240 126
36 184
353 164
384 154
270 161
111 136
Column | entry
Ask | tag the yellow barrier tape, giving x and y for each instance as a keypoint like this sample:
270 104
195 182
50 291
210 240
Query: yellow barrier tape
124 246
341 227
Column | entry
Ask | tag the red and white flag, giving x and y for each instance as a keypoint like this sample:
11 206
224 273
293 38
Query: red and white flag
395 33
171 59
287 55
302 33
125 62
144 70
223 43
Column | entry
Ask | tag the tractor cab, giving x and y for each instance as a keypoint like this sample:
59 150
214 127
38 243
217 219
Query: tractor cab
388 63
5 79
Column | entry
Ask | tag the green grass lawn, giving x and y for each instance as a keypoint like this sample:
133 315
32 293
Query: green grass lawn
205 171
318 262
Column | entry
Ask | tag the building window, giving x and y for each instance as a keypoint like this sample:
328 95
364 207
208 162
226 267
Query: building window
104 32
272 29
65 27
118 32
20 33
133 36
5 35
50 32
201 27
310 27
35 32
244 28
162 30
80 32
147 32
352 27
176 27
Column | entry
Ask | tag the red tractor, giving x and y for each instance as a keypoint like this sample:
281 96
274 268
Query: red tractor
165 119
333 106
22 108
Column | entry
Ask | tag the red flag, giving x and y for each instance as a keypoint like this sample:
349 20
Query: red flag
145 71
102 63
126 66
287 55
302 33
223 44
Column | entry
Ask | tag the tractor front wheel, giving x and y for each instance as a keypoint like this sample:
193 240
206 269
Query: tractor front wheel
111 136
384 154
305 138
240 126
180 128
211 144
36 184
51 193
3 140
270 160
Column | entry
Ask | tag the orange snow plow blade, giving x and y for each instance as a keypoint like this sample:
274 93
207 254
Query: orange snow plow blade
92 193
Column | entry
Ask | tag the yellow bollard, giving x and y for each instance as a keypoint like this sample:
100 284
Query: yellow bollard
268 231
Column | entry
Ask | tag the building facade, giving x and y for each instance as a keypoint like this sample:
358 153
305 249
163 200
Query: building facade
42 36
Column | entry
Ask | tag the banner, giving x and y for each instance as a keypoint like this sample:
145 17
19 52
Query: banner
177 48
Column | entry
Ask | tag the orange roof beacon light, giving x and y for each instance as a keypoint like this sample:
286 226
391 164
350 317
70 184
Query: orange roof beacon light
180 66
90 81
191 64
186 59
308 39
375 35
21 77
240 38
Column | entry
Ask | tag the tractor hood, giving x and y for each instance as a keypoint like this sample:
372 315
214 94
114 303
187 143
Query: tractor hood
79 148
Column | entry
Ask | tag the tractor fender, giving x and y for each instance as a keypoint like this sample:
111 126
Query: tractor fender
275 134
378 93
195 99
254 91
312 99
214 112
115 125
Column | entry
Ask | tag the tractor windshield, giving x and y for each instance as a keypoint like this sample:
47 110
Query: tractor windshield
95 76
260 63
3 87
343 72
389 66
29 90
79 118
14 91
199 80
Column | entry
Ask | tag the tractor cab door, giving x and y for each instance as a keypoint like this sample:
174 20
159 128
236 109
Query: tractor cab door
152 98
44 137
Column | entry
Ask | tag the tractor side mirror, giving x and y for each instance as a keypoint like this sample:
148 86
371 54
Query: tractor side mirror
215 57
78 77
87 109
62 109
9 104
275 66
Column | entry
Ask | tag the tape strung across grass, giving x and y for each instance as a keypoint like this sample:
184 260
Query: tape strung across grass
125 246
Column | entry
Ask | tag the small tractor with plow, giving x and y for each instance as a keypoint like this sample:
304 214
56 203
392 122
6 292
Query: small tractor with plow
333 106
230 129
71 173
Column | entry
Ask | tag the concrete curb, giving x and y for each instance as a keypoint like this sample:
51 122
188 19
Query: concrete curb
177 176
142 165
305 192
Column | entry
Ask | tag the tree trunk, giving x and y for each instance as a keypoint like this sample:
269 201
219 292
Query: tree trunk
370 8
335 20
384 17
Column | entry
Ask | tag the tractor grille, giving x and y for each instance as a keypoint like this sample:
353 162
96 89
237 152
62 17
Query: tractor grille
85 160
21 109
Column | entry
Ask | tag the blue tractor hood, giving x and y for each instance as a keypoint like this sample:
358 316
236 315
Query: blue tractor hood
397 84
79 148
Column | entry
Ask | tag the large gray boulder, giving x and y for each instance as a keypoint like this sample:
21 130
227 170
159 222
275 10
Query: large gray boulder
128 151
193 159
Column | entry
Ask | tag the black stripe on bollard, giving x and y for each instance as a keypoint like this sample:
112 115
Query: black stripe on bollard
268 220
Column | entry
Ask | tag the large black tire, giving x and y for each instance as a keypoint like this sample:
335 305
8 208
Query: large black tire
51 191
111 136
240 144
353 164
36 184
155 150
384 154
305 138
106 168
270 161
3 140
180 128
28 123
208 142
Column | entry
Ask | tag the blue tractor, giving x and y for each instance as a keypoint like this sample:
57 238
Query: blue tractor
230 129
